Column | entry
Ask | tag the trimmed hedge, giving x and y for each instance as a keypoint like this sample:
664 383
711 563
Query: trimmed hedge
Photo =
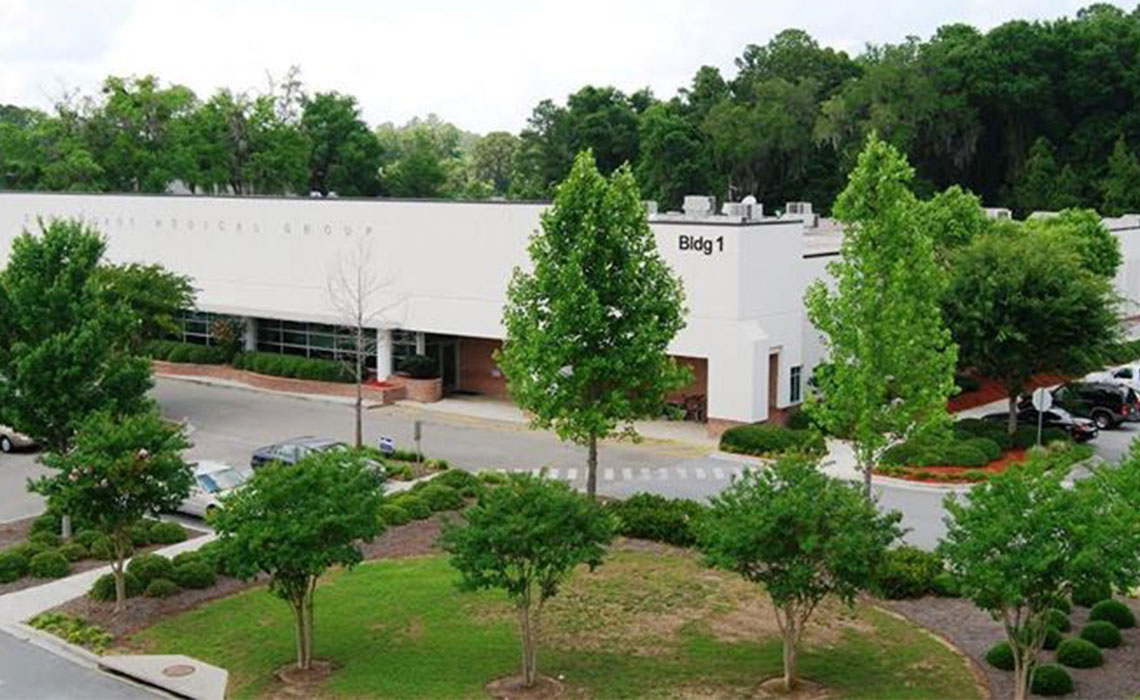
176 351
907 572
1109 610
414 506
652 517
1090 593
47 540
148 567
1102 633
1059 620
292 366
209 554
140 533
1000 656
764 440
944 585
953 450
104 588
441 497
13 566
466 483
193 574
87 537
1079 653
101 548
1050 680
73 551
49 564
392 515
161 588
167 533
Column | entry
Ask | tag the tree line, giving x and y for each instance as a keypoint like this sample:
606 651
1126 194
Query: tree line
1028 115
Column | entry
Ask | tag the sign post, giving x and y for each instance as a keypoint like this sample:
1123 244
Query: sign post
1042 401
419 432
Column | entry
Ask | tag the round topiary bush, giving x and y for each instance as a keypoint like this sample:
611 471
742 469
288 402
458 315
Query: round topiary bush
140 533
161 588
1061 603
649 516
48 521
73 551
1000 656
167 533
1079 653
101 548
1053 638
104 588
195 574
393 515
47 540
1090 593
1050 680
185 557
466 483
414 506
13 566
1115 612
148 567
49 564
440 497
1102 633
87 537
907 572
1059 620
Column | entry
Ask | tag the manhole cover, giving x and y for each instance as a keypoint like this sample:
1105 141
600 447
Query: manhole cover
178 670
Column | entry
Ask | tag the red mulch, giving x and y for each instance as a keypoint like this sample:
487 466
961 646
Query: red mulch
991 391
999 465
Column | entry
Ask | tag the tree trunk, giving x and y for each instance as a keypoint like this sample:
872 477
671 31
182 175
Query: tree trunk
117 567
791 674
299 624
359 402
527 644
1011 423
592 468
309 623
1021 679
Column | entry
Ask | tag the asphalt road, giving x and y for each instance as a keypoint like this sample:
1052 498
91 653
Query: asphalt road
27 671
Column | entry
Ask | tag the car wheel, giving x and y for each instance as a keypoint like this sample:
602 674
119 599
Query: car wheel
1103 420
5 444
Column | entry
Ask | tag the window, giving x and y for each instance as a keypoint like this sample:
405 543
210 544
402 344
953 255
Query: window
796 391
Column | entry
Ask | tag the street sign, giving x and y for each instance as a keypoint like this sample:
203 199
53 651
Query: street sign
387 445
1042 399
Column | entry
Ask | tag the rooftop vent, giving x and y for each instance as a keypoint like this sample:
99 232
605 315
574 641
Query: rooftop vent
998 213
803 212
698 205
746 209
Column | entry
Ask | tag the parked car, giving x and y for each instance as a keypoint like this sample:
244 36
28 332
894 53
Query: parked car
1108 404
1080 429
1127 375
294 450
12 440
212 480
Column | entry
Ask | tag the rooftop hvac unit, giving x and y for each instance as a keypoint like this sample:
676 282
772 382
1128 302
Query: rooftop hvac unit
803 212
798 208
698 205
998 213
650 207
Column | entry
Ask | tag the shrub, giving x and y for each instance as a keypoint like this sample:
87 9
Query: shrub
441 497
209 554
1053 638
798 419
766 440
87 538
47 540
161 588
907 572
414 506
651 517
193 575
491 478
966 383
293 366
1079 653
1061 603
175 351
1056 618
73 551
1000 656
49 564
393 515
185 557
1112 611
945 585
968 428
1102 633
420 367
1089 593
148 567
964 454
1026 436
104 588
48 521
466 483
167 533
988 447
1050 680
13 566
74 630
101 548
140 533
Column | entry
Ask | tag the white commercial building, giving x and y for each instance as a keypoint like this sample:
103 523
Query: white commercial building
447 266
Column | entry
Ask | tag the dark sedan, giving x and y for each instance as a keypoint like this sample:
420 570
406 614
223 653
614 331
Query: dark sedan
293 451
1080 429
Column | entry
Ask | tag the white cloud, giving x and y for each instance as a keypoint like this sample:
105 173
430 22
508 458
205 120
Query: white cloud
481 65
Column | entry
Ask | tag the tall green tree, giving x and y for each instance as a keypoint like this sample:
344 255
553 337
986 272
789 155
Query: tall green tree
588 329
1083 231
153 295
674 159
892 360
344 154
525 538
119 470
1121 186
293 522
494 160
1020 304
803 536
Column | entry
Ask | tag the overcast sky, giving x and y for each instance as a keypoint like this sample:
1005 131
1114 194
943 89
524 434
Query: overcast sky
483 65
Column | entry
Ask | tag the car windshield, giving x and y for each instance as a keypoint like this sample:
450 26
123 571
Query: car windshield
221 480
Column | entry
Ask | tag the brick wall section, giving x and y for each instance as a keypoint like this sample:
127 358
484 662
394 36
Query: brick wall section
421 390
384 393
477 369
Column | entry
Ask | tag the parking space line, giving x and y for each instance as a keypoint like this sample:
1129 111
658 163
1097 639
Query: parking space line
718 473
645 476
682 472
571 474
608 475
627 474
700 473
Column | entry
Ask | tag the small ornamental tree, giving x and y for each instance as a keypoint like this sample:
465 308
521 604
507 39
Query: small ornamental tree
802 535
294 522
526 537
588 328
119 471
1018 543
891 358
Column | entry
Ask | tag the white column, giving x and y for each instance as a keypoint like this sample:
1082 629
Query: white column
383 353
249 341
421 343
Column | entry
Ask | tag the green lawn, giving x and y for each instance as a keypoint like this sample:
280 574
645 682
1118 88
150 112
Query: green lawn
643 624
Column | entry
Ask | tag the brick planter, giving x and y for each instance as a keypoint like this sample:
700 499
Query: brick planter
383 392
421 390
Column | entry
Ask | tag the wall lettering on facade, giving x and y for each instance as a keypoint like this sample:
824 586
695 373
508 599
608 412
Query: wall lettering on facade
700 244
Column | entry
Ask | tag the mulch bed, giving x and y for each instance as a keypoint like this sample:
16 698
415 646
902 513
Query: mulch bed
10 535
953 475
414 539
974 632
991 391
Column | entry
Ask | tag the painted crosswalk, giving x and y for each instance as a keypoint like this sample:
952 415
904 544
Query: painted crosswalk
699 470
